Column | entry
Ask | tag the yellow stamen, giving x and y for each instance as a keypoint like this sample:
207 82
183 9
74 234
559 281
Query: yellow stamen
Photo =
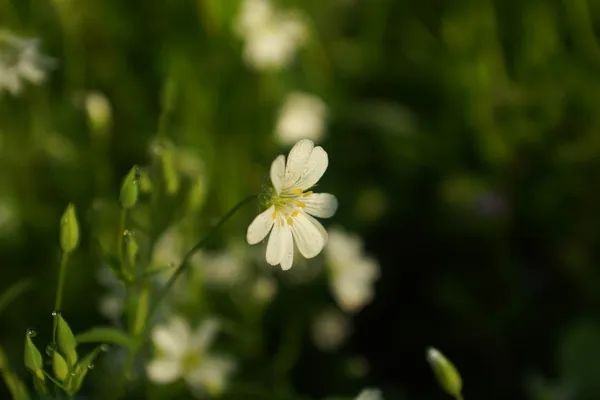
290 220
307 193
295 213
297 191
274 215
301 204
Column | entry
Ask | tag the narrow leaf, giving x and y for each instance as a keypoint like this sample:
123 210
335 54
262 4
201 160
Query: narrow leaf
13 292
105 335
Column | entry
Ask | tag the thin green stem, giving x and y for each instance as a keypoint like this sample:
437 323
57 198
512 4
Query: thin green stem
184 263
60 288
121 239
57 383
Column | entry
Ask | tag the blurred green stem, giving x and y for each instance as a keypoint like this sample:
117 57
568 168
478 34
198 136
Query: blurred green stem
184 263
59 291
122 229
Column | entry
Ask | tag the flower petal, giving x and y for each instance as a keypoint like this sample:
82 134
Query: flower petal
297 160
278 173
314 168
260 227
321 229
171 339
322 205
205 334
308 236
276 245
211 375
163 370
288 253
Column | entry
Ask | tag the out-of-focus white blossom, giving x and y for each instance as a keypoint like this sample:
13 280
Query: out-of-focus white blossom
112 303
168 250
301 116
263 289
353 274
20 62
185 354
330 329
370 394
223 269
272 37
99 112
291 206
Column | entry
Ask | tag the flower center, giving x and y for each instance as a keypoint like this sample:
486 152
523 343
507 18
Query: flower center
190 361
288 203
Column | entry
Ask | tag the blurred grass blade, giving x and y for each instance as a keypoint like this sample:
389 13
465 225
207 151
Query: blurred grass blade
105 335
13 292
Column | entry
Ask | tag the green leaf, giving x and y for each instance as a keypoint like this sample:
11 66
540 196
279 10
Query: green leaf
32 357
66 341
14 291
69 230
105 335
82 368
16 387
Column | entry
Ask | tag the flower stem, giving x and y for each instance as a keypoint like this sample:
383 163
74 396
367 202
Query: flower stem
184 263
121 238
60 288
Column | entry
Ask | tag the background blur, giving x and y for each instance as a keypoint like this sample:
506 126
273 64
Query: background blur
464 149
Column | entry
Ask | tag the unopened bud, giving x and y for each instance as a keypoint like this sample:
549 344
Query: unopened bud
69 230
130 188
445 372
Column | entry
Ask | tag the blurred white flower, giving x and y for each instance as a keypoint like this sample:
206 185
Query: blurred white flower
263 289
98 112
353 274
183 353
330 329
111 304
20 62
289 215
301 116
370 394
272 36
223 269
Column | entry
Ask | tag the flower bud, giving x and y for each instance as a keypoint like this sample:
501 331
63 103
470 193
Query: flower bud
69 230
32 357
445 372
130 188
59 366
66 341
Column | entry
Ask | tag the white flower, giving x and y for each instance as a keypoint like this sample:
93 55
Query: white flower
370 394
301 116
98 111
272 37
184 354
289 215
223 269
330 329
352 273
20 61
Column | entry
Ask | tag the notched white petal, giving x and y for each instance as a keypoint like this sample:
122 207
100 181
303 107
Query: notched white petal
288 253
260 227
296 163
322 205
278 173
314 168
276 245
307 235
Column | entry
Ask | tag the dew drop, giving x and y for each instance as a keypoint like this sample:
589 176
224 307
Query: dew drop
56 313
50 349
104 347
73 373
91 366
31 333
